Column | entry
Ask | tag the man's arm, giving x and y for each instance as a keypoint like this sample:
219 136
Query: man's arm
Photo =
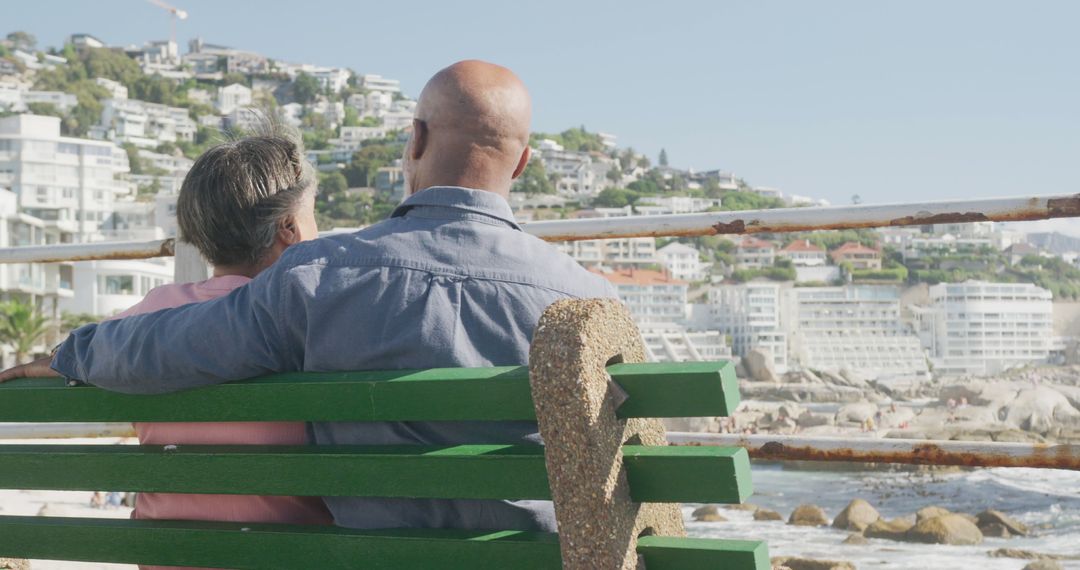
256 329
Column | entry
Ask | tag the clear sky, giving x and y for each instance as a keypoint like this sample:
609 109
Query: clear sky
893 101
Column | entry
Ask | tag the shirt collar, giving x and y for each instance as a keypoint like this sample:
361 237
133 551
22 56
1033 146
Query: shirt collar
458 198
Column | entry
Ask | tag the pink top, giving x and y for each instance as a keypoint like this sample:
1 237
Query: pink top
232 508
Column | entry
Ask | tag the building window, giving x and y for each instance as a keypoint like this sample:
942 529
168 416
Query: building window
118 284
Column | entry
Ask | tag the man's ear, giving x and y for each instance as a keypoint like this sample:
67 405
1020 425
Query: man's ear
522 162
419 139
288 233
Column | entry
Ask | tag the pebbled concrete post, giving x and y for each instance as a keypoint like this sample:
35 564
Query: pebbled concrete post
575 401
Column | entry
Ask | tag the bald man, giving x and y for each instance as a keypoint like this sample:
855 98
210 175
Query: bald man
450 280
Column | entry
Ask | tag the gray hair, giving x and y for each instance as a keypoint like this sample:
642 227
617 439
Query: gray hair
236 195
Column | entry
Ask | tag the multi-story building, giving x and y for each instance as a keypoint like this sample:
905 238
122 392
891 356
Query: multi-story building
38 283
754 253
116 89
577 174
857 255
143 124
352 138
682 261
854 327
659 205
653 297
378 83
69 183
371 103
211 61
621 252
676 344
69 190
63 102
749 313
232 97
802 253
105 288
15 97
977 327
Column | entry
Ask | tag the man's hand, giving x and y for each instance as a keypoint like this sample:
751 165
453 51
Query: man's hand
40 368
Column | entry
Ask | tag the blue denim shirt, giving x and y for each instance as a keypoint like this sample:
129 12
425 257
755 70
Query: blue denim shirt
450 280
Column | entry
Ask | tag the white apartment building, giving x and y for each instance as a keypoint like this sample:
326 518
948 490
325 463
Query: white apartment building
68 190
751 314
653 297
378 83
143 124
105 288
332 79
612 252
17 98
802 253
62 101
659 205
682 261
754 253
977 327
675 344
116 89
69 183
854 327
38 283
232 97
371 104
352 138
579 174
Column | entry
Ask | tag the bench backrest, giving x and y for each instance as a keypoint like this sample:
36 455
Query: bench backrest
653 473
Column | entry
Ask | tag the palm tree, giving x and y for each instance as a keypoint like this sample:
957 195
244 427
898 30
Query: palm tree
22 327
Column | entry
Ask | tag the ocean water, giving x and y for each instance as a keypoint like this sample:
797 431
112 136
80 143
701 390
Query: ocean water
1047 501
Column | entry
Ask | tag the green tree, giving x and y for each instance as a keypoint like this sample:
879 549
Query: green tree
352 118
332 183
738 200
615 198
22 327
22 40
134 160
662 161
305 88
47 109
365 162
72 321
533 180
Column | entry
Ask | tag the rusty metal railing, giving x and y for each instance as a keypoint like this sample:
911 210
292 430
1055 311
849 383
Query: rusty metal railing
709 223
907 451
920 452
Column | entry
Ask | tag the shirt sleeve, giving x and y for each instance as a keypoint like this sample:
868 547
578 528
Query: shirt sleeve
254 330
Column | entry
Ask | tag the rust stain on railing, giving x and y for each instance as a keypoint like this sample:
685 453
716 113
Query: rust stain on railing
911 452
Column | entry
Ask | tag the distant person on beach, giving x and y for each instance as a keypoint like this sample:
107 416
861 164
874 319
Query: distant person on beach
450 280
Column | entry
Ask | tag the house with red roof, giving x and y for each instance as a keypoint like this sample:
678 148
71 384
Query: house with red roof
754 253
857 255
802 253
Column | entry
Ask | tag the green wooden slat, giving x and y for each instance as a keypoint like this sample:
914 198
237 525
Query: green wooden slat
690 389
498 393
656 474
684 474
671 553
262 546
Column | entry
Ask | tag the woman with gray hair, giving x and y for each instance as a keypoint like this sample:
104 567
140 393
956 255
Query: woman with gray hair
241 205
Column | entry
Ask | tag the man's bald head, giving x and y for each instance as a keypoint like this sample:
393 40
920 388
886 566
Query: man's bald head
471 129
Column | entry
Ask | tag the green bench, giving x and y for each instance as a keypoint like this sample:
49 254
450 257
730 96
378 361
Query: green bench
616 484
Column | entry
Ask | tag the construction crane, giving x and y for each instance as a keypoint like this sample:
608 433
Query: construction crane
175 13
